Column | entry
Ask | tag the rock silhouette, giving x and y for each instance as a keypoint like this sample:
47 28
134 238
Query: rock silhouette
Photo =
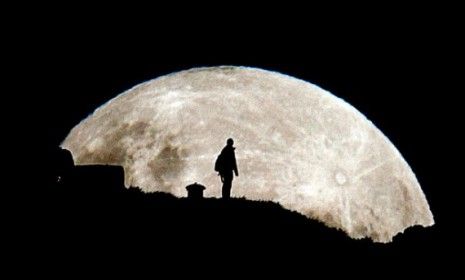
195 191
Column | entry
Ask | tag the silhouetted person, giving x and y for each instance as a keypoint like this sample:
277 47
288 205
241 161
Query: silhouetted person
225 165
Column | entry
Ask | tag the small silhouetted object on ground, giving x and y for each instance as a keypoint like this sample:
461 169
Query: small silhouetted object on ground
225 165
195 191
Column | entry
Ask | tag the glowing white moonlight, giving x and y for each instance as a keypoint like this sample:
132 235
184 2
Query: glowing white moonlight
297 144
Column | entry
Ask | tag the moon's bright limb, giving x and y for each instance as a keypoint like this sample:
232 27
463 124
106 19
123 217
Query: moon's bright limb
297 144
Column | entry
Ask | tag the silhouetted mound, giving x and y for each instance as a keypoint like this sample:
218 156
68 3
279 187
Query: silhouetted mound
89 207
94 197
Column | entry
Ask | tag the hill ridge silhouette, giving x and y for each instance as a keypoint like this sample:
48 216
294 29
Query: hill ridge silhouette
90 205
100 188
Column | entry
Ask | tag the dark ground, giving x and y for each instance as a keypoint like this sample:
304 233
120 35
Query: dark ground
90 213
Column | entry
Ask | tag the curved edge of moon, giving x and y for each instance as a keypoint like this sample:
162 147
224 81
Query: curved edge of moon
360 184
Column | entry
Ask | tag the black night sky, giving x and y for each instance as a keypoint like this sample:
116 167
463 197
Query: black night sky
389 67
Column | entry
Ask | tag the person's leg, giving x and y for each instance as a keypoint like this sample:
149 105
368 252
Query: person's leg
227 184
226 189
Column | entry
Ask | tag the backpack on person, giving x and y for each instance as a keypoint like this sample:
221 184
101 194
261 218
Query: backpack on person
219 163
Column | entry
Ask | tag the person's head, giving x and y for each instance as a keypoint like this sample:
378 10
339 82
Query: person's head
230 142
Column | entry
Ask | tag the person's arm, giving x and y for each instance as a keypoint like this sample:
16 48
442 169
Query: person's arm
235 165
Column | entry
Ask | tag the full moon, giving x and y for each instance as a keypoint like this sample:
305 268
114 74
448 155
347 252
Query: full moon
296 144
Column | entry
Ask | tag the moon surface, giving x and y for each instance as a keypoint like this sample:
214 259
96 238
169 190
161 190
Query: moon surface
296 144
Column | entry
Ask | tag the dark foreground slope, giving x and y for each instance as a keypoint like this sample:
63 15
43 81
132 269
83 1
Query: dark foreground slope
93 197
90 217
91 204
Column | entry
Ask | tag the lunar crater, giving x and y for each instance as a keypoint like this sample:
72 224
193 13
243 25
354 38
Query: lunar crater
341 178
